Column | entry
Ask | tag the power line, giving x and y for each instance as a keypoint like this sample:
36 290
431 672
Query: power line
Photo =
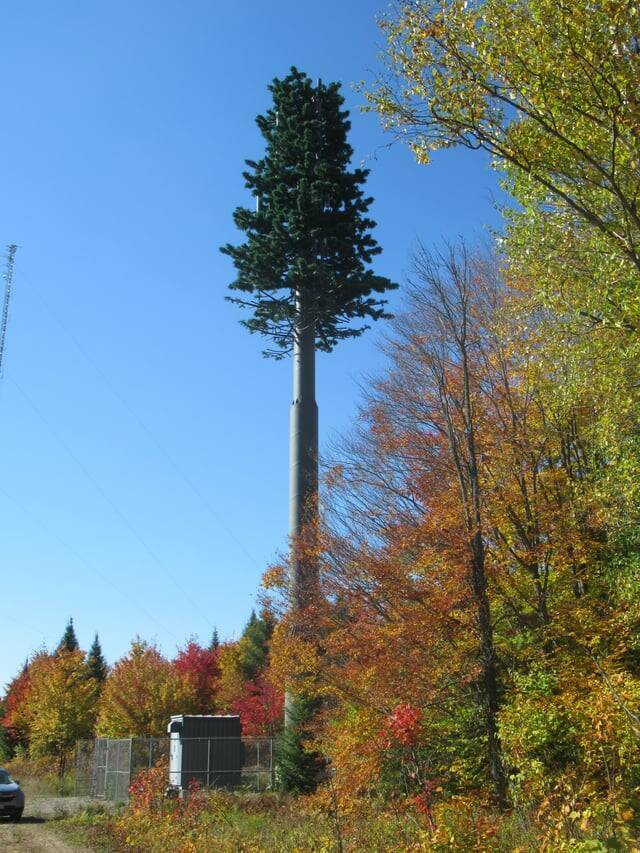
148 432
78 556
116 509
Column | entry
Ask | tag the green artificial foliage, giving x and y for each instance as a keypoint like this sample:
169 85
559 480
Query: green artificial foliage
299 767
309 234
69 641
96 664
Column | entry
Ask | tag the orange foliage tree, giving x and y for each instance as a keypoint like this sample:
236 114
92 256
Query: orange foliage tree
463 553
14 720
142 692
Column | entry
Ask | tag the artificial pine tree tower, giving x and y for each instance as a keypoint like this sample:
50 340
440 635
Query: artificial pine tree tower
303 268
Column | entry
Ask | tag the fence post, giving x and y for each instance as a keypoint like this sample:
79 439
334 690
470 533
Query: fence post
128 785
106 768
271 767
75 781
208 762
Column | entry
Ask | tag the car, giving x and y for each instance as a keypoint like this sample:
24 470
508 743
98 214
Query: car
11 797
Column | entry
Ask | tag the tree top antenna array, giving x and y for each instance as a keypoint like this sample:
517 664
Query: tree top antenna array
8 279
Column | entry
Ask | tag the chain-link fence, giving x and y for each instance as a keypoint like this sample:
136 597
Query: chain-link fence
106 767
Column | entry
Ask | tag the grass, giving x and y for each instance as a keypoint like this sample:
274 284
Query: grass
90 828
233 823
39 780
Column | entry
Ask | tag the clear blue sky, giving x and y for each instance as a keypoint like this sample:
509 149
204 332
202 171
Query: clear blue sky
143 438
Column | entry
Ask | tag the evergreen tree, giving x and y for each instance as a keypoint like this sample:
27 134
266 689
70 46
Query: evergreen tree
254 645
215 641
309 237
96 664
69 641
299 768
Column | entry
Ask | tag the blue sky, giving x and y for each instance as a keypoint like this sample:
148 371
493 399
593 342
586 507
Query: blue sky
143 438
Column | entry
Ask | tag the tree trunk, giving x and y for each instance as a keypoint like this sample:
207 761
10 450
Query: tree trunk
489 675
479 586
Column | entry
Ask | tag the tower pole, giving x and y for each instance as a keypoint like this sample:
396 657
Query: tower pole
303 453
303 462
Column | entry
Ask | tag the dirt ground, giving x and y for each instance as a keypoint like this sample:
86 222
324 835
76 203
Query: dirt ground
36 831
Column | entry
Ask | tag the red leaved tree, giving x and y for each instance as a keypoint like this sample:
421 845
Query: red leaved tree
201 667
261 707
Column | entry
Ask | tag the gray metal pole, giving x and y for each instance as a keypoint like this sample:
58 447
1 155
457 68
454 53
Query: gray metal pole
303 458
303 453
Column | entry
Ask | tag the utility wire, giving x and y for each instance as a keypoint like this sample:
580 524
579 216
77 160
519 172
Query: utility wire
111 503
150 435
83 562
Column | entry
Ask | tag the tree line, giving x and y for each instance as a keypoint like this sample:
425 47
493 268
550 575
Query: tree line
67 695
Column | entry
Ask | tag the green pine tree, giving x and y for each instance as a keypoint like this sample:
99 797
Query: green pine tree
299 767
96 664
215 641
309 235
69 641
255 645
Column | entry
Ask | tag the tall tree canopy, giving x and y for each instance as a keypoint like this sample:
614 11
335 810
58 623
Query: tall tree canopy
549 88
310 233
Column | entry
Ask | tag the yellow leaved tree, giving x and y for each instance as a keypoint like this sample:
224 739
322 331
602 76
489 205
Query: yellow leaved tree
61 705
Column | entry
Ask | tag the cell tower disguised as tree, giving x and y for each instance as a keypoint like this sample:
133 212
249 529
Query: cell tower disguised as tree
303 268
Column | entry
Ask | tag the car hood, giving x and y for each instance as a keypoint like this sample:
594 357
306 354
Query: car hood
9 789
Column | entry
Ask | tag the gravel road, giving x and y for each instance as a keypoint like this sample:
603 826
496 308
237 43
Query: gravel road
36 831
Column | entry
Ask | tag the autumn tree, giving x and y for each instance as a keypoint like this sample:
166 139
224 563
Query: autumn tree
16 720
404 555
142 692
245 660
200 667
260 706
5 749
549 89
62 705
446 350
401 619
13 721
